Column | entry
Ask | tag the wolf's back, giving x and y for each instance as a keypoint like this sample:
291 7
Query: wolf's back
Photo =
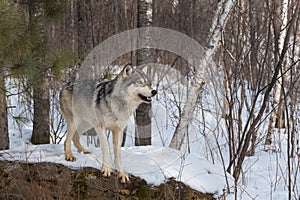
80 93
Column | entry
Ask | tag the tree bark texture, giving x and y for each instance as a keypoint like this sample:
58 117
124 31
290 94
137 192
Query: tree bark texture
4 138
280 31
41 128
143 118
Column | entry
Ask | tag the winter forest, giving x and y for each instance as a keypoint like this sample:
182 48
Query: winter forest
225 121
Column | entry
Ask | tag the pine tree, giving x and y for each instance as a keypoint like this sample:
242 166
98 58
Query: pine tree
11 33
41 13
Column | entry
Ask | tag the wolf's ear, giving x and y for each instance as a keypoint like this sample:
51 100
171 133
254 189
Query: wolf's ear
144 68
127 71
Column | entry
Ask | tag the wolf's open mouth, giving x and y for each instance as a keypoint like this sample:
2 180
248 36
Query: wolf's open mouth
147 99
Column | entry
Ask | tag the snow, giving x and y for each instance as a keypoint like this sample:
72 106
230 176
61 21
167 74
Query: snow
264 175
154 164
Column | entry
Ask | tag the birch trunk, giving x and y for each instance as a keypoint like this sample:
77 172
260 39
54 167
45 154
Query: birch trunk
280 35
218 25
143 118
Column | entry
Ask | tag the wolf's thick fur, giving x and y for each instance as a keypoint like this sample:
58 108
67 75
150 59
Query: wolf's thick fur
105 105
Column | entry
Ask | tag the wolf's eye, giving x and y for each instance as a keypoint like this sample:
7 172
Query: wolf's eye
139 82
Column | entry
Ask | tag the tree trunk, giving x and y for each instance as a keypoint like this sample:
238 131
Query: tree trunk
4 138
218 25
186 117
143 118
278 25
41 128
253 64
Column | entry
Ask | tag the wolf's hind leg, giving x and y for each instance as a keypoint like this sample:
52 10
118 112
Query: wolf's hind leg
71 129
76 142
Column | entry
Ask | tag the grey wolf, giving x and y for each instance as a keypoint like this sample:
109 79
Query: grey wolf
103 105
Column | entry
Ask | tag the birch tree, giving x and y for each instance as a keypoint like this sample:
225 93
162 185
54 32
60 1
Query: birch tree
280 30
218 24
143 118
251 126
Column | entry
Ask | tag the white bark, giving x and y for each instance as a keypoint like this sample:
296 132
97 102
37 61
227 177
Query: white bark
218 25
279 83
143 119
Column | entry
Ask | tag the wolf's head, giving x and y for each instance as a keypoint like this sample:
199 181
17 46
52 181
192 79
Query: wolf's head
136 84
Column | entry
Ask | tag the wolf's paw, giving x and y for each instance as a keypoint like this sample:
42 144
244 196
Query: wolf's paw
85 151
124 176
106 171
70 157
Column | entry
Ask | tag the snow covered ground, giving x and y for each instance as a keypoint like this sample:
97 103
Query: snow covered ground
154 164
265 174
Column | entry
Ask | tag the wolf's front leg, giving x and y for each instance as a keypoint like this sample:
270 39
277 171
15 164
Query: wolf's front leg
106 166
117 139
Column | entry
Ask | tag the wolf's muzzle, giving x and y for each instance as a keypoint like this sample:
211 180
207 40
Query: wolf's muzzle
148 98
153 92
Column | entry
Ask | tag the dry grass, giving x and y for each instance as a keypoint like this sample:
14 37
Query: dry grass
46 181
